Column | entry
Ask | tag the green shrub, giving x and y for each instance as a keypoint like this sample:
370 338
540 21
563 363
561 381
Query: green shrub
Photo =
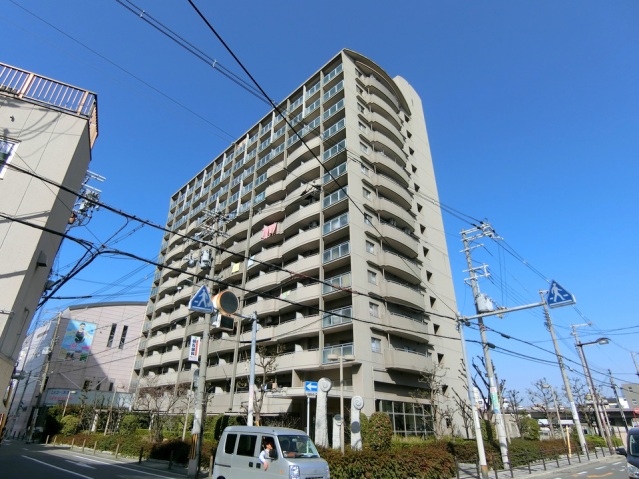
70 425
129 424
377 434
179 449
530 429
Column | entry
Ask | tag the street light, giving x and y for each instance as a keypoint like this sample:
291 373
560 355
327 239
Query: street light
593 391
64 411
342 357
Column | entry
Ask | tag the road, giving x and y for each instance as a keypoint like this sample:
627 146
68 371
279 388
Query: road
19 460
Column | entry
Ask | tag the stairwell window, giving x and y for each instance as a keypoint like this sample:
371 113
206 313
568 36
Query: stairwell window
372 277
123 337
7 149
376 345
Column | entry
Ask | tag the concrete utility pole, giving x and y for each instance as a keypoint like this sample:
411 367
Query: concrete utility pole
486 230
603 430
614 388
560 361
481 452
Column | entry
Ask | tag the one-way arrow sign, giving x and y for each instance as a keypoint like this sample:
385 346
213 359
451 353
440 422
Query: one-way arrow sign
558 296
201 301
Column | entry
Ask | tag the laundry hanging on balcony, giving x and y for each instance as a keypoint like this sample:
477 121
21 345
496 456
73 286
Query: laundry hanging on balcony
269 230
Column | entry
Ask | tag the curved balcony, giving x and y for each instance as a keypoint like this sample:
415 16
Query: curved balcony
155 340
172 356
304 241
379 89
181 312
277 172
238 231
175 335
402 294
267 281
153 360
164 304
379 123
392 190
306 295
407 361
385 144
299 360
186 376
410 328
302 153
308 170
394 210
166 379
269 213
234 254
161 322
301 218
233 272
308 266
270 255
276 191
266 307
195 329
392 169
401 241
175 254
404 268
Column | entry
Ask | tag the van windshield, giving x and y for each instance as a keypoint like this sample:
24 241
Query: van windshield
297 446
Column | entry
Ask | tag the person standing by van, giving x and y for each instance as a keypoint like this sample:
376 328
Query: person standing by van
265 455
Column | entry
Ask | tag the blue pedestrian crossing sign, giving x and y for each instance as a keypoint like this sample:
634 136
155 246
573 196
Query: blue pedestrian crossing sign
201 301
558 296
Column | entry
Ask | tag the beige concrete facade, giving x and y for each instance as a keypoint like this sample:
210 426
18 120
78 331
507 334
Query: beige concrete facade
47 129
334 238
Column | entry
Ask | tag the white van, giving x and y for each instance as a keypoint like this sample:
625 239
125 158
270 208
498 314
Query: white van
293 456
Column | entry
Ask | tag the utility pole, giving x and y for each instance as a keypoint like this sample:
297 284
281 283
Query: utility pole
614 388
481 452
486 230
603 430
560 361
43 380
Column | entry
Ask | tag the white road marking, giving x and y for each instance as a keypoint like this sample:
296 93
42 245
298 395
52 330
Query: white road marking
80 464
59 468
126 468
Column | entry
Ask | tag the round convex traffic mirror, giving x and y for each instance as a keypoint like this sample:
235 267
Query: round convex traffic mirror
226 302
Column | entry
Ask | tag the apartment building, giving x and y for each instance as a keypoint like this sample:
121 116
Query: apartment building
47 130
333 236
86 353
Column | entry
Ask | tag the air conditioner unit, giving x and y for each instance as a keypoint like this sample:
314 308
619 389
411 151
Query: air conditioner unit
314 224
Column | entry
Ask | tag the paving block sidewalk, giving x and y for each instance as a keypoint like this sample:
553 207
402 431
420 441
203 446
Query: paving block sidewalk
538 468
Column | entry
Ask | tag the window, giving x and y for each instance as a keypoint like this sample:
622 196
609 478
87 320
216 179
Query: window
229 446
370 247
363 148
365 170
362 127
246 445
368 219
123 337
366 193
7 148
373 309
111 335
360 108
372 277
376 345
86 385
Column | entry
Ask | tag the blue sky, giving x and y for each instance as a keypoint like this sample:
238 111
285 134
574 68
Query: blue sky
532 114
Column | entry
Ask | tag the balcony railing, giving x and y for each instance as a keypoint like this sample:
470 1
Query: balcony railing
53 93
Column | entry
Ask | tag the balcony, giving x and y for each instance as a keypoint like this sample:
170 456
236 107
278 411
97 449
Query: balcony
299 360
407 361
175 335
172 356
404 268
402 294
381 90
302 217
402 241
154 359
388 208
390 167
393 190
382 142
379 123
267 281
156 340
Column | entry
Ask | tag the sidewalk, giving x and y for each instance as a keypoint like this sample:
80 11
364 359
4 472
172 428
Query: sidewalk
539 468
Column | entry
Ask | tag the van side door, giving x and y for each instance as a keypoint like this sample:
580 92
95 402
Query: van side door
247 452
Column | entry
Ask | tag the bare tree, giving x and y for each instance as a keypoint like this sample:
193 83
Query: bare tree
436 391
514 406
159 401
541 399
265 367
